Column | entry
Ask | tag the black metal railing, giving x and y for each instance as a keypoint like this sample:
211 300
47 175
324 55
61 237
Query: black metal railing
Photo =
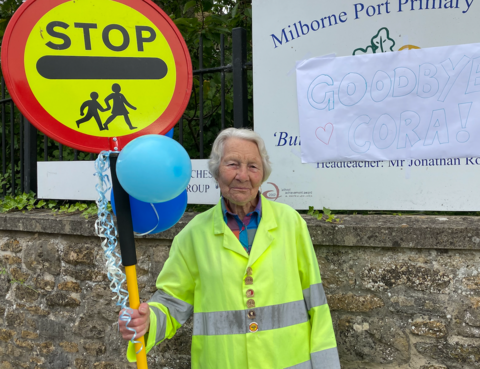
22 144
9 169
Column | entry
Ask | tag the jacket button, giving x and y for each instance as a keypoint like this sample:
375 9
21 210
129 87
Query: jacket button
250 293
248 281
250 304
251 314
249 271
253 327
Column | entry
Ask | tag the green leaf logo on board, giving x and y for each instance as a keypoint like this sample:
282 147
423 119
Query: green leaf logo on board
380 43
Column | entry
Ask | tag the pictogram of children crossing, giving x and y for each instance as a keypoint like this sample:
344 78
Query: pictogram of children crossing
120 104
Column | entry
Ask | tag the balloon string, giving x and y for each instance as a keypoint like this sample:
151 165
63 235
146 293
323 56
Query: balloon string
158 222
105 228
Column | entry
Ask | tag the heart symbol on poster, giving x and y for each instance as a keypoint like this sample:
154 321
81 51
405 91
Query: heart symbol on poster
325 133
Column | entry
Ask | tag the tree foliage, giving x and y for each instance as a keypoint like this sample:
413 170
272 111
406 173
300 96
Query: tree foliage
7 9
209 19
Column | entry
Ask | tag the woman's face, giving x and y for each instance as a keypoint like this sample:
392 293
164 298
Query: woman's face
241 171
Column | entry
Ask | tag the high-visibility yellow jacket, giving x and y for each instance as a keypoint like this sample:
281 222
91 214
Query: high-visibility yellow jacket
266 310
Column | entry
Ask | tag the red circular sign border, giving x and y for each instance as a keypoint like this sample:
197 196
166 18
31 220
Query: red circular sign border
22 94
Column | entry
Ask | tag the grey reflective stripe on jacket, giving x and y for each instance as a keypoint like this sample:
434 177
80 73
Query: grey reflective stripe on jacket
314 296
180 310
237 322
161 324
326 359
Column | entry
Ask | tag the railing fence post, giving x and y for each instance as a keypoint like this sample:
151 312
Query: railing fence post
30 147
240 92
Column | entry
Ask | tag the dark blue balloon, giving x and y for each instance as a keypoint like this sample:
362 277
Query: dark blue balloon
144 218
169 133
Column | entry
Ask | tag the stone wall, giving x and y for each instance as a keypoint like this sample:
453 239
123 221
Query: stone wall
404 292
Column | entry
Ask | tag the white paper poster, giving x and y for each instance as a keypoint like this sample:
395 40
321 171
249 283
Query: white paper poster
286 32
411 104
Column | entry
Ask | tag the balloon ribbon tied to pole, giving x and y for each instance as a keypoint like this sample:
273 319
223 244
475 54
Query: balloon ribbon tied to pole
105 228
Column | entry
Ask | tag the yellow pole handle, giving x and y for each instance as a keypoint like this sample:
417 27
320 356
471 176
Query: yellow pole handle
134 299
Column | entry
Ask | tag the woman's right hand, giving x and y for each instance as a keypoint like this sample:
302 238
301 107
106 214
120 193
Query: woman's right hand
140 322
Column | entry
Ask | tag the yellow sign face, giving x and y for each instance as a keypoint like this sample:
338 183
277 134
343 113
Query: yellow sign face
100 67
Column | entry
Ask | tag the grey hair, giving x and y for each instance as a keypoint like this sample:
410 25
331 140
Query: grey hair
244 134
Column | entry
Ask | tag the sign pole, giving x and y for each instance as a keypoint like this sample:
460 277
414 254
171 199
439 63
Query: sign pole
127 249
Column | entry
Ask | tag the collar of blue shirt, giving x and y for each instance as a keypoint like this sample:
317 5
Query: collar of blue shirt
226 210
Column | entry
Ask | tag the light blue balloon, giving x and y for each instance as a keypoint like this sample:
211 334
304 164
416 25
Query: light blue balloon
154 168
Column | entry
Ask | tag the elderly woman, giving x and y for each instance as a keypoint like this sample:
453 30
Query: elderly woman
247 270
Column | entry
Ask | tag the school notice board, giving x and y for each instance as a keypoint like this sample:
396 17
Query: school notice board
307 39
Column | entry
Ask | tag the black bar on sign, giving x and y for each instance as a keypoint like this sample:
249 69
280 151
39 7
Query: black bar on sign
97 67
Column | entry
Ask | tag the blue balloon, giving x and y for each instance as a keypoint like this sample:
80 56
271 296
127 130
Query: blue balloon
169 133
154 168
144 218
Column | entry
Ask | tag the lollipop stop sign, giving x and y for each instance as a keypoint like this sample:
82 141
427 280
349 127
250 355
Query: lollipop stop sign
95 70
